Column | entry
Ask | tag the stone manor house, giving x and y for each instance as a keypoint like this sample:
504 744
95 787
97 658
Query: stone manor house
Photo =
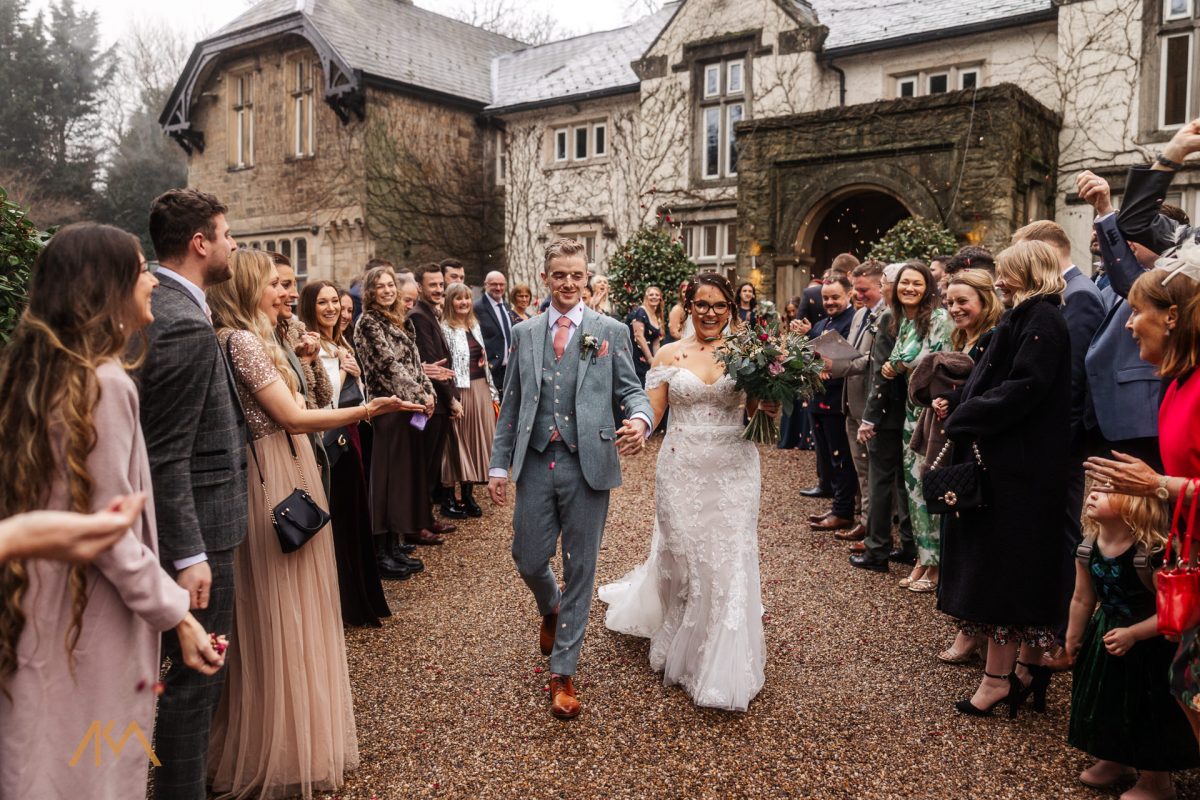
772 133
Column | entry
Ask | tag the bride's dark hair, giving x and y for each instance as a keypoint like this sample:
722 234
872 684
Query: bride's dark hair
713 279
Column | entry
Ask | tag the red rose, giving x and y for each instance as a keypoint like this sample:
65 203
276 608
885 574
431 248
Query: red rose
762 337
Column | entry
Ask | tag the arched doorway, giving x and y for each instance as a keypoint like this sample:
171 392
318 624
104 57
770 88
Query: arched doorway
849 220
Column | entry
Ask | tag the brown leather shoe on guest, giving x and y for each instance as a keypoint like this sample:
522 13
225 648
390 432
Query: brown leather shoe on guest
832 523
817 517
855 534
563 703
423 537
443 527
546 633
858 547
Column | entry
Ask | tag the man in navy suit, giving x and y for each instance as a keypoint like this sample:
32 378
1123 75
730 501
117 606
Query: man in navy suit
495 323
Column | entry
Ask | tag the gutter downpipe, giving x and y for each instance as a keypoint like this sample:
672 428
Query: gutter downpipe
841 81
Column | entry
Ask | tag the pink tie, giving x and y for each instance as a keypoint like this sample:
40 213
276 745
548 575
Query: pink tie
561 335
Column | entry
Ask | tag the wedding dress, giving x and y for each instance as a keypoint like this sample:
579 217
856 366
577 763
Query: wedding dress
697 596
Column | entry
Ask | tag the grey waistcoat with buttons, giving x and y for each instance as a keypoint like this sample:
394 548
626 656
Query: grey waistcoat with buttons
556 404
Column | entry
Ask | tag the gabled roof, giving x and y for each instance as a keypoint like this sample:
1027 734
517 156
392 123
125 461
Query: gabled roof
397 41
589 65
873 24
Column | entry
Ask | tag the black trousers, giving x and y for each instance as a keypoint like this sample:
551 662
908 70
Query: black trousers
834 448
885 453
186 707
437 431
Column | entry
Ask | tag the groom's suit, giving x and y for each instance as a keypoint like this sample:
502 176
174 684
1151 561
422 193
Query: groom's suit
557 433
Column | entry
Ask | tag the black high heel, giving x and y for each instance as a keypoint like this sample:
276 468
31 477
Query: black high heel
1014 698
1038 685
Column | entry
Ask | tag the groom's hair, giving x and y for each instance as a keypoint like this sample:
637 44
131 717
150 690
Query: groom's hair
562 247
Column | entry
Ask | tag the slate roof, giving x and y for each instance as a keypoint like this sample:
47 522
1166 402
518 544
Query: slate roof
860 23
397 41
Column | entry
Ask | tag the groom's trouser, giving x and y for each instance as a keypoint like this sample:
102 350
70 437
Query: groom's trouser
552 496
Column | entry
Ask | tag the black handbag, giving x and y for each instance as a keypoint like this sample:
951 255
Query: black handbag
297 518
337 441
957 487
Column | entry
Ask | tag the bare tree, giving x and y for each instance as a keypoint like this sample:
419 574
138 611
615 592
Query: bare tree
509 18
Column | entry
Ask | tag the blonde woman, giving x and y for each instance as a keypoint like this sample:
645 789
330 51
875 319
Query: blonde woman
81 642
600 301
466 462
1004 564
645 323
521 297
286 721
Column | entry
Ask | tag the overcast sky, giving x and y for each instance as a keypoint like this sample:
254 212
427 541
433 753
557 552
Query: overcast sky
201 18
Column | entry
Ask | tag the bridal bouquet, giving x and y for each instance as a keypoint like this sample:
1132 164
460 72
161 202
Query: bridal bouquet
767 365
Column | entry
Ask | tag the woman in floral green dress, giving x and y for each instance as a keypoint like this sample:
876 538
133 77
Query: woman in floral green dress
924 327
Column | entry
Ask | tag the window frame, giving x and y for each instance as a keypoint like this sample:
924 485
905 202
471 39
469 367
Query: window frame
303 94
730 142
714 116
501 144
693 236
1190 35
1168 17
714 68
911 80
241 153
575 142
931 76
963 73
563 135
599 135
740 63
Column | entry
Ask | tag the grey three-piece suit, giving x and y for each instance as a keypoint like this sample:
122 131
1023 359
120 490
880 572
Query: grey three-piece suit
562 483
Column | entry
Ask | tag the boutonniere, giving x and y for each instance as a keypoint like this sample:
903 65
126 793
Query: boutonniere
588 345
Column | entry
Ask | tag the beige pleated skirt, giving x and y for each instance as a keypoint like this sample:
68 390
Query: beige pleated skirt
285 724
469 450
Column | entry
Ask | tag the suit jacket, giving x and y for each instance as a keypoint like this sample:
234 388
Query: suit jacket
854 388
602 382
829 399
886 399
811 307
432 347
1139 220
493 334
1123 390
1084 311
194 428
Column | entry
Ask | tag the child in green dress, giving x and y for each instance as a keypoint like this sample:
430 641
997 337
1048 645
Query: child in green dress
1122 712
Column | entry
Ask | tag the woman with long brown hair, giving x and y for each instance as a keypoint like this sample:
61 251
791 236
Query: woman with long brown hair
363 601
285 724
80 643
466 462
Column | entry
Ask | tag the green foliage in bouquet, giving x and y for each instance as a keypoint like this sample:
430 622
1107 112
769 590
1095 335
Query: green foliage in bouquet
647 258
915 237
769 366
20 243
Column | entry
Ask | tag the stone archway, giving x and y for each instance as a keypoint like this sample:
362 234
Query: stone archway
848 220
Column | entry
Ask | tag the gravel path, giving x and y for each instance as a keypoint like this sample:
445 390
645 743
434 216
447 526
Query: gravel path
450 696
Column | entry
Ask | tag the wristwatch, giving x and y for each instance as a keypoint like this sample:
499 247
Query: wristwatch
1161 492
1168 163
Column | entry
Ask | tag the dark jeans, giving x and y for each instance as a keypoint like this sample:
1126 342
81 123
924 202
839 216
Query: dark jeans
886 481
186 707
834 448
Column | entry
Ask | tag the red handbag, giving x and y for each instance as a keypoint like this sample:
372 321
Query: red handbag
1179 587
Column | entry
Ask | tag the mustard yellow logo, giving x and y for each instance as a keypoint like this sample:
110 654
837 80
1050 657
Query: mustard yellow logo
103 735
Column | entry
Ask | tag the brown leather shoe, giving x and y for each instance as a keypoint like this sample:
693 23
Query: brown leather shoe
563 703
546 633
423 537
855 534
858 547
832 523
443 527
817 517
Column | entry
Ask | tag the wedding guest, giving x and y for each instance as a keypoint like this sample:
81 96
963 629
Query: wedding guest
972 257
600 300
468 464
679 322
1122 712
811 307
386 344
922 327
645 328
453 271
829 423
747 303
495 323
286 721
195 439
889 282
80 642
435 353
520 297
346 320
359 587
1165 322
1003 562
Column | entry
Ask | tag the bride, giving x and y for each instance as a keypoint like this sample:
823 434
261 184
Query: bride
697 596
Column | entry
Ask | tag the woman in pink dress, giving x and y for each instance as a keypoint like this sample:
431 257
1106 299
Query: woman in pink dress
79 644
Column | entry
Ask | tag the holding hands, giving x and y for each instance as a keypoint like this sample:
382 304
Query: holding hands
631 437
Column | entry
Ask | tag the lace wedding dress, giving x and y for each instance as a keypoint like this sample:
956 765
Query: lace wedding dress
697 597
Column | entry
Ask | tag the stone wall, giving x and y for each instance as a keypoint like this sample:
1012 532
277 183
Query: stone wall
982 163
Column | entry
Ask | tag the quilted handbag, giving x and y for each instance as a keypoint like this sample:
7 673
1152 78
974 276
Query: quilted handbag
957 487
1178 594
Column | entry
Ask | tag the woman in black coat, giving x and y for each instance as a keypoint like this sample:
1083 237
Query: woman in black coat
1002 566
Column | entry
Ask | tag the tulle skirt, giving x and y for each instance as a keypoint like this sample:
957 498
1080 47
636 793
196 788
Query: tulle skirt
285 725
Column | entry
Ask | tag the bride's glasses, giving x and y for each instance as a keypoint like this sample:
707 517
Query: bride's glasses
705 308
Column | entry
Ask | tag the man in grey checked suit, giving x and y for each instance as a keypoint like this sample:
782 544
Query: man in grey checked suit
196 441
567 369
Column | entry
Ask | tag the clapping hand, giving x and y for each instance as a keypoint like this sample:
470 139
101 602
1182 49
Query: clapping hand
437 371
349 364
801 326
308 347
1185 142
631 437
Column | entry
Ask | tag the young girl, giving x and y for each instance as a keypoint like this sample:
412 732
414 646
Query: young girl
1122 712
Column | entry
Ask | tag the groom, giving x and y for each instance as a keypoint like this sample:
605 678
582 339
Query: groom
556 430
